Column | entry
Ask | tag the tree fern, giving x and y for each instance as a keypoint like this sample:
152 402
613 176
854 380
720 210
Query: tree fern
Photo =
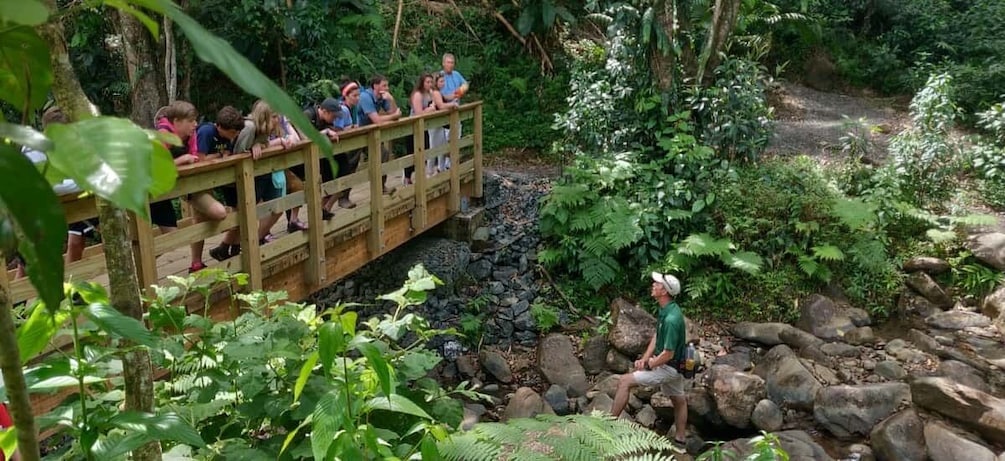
705 245
549 437
854 213
828 253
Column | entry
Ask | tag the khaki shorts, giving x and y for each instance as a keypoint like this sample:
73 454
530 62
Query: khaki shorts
670 381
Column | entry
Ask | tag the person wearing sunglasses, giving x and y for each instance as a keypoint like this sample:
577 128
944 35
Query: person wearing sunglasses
659 364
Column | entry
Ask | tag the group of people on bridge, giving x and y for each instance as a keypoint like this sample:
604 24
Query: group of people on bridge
232 132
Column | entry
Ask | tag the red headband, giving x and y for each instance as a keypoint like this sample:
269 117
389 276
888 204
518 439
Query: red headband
351 86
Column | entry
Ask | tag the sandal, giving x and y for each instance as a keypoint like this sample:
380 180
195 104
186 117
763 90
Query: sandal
267 239
225 251
327 215
296 226
196 267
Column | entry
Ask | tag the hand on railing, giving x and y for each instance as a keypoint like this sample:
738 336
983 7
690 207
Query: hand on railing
186 159
332 134
256 151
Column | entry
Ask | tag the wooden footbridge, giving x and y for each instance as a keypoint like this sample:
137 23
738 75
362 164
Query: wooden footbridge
301 263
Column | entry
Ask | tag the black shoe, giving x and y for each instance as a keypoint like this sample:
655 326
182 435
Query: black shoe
327 215
225 251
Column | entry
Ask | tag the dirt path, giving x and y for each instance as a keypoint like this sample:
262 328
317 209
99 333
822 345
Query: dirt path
812 122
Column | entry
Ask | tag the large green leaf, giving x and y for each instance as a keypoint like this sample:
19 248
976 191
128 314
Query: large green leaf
379 366
109 156
119 325
8 440
305 373
33 208
25 136
163 173
24 12
329 418
218 52
25 71
168 426
397 403
331 342
35 333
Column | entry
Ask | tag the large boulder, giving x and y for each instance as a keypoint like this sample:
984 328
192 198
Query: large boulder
989 248
957 320
767 416
970 407
764 333
946 445
798 444
631 328
556 358
900 437
736 393
963 374
911 303
819 315
926 264
595 355
854 410
994 307
526 404
787 381
923 284
798 339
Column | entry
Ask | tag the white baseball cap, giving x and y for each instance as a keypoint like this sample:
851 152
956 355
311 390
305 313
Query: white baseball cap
669 282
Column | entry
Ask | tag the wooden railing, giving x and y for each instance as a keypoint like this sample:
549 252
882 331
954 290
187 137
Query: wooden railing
309 248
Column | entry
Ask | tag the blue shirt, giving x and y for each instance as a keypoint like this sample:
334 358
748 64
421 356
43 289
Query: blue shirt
370 104
451 82
344 117
209 141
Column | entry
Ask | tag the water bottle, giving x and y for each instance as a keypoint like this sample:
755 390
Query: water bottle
689 361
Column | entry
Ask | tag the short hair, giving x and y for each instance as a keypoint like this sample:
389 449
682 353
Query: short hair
52 115
229 118
376 79
178 110
449 55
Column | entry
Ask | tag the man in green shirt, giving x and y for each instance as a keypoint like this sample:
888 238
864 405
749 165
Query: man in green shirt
658 364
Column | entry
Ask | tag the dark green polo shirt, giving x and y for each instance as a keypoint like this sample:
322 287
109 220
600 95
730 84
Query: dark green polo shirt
671 332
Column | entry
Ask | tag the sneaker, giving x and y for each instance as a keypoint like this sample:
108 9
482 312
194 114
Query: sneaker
196 267
327 215
296 226
267 239
344 202
225 251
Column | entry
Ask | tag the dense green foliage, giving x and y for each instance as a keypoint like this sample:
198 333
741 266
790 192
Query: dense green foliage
308 47
549 437
280 381
894 45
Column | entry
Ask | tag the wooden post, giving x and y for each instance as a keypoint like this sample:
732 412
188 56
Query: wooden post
316 231
419 213
454 198
375 242
251 253
144 253
478 152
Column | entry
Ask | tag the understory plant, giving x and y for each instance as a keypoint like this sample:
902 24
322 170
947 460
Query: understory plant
280 381
548 437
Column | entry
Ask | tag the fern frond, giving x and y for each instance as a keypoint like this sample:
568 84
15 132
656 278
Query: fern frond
599 271
828 253
746 261
854 213
705 245
941 236
569 195
621 233
468 447
809 265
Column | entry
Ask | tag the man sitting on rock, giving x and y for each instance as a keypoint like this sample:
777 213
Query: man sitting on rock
658 365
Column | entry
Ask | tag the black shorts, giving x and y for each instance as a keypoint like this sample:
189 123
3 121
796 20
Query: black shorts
85 227
327 174
162 214
229 195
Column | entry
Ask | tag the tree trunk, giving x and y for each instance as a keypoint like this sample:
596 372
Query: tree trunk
663 61
124 292
65 86
723 21
170 60
13 379
146 82
125 289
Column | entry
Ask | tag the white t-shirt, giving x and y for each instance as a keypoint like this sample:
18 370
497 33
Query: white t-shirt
68 186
